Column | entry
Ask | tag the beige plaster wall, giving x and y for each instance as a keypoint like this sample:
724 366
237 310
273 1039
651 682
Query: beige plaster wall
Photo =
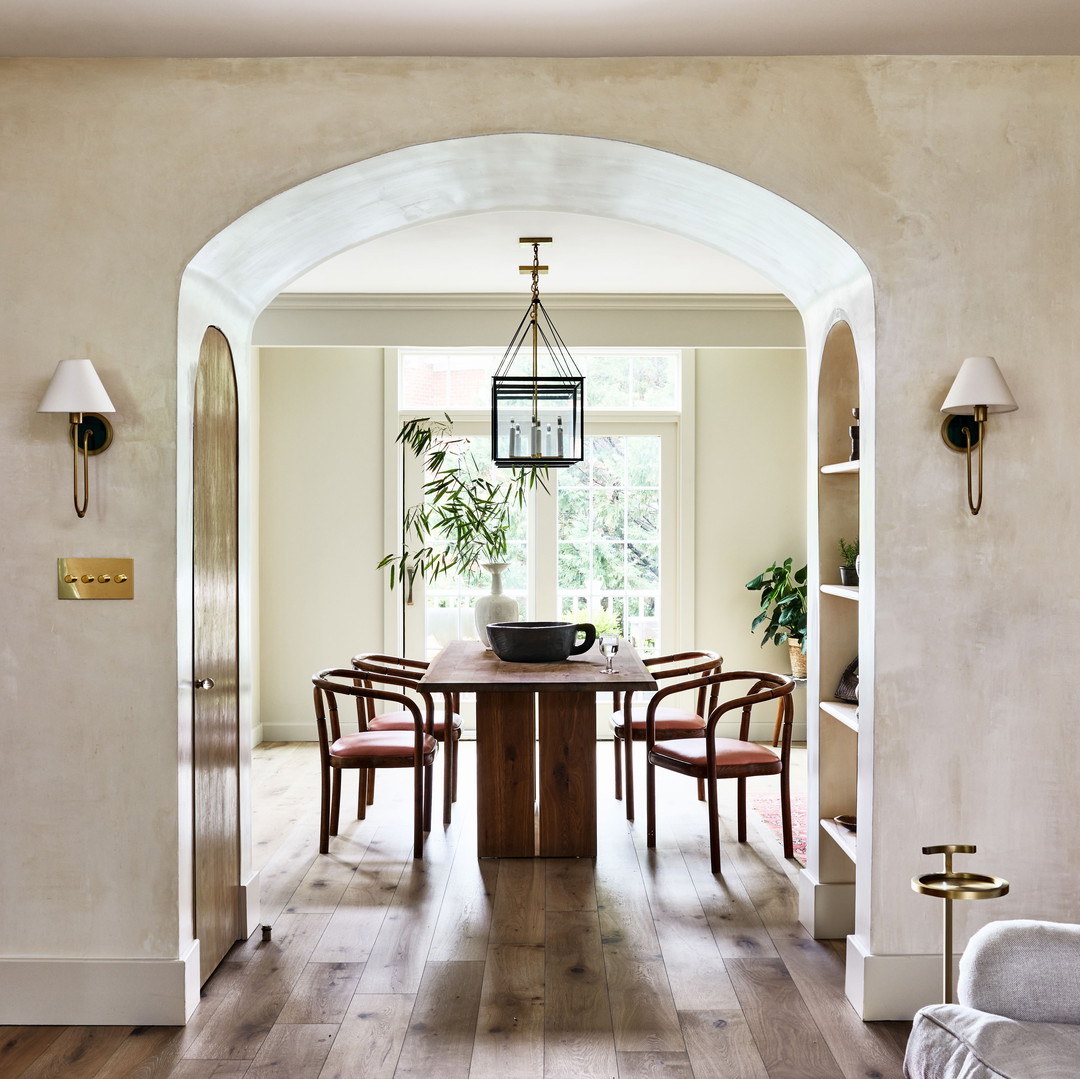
956 180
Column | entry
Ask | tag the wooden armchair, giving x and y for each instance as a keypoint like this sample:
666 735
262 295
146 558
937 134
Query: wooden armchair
368 750
628 719
709 758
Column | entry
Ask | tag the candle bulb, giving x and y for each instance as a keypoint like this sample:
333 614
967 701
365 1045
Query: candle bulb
513 440
535 440
559 442
547 441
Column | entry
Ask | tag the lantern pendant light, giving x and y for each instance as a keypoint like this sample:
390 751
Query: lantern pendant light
537 418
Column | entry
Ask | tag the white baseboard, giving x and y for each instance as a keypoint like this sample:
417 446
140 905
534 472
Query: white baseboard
250 909
99 992
257 735
890 986
827 911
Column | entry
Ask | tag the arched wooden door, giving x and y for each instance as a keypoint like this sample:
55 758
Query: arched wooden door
216 732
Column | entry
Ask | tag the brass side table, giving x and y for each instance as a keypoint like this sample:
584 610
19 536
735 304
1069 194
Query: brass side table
949 886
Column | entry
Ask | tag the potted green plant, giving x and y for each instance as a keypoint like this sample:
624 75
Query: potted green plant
463 520
783 610
849 553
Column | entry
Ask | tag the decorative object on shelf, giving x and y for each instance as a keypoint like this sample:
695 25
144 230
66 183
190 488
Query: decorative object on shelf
853 432
978 389
539 642
847 689
783 604
950 886
849 570
848 822
76 389
464 518
537 419
496 606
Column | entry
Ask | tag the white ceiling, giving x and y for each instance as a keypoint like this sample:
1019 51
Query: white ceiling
480 253
551 28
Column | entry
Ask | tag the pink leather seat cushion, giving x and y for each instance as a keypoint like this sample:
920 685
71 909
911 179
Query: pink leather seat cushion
403 721
667 719
730 752
380 744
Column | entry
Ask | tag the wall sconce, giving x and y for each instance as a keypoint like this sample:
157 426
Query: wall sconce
77 390
978 389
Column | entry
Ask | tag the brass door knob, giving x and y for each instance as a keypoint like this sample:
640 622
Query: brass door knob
204 683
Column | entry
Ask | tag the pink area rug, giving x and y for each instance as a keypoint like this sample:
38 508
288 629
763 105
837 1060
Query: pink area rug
767 806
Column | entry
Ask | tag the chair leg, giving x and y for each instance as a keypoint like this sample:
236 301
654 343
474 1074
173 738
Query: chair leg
618 766
448 779
457 737
701 790
650 803
366 776
324 814
785 814
428 772
335 800
714 826
628 768
370 787
418 811
741 782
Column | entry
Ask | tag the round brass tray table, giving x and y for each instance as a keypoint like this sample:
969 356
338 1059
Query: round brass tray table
950 886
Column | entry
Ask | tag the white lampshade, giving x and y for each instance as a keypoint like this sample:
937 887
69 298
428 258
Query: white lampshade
979 382
75 387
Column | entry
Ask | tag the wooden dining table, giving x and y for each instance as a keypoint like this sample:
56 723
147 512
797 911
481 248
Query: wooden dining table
531 804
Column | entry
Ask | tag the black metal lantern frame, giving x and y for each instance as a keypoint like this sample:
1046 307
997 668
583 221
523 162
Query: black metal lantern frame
537 419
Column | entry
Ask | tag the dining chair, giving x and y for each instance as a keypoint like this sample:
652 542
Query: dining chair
710 758
446 718
674 722
369 750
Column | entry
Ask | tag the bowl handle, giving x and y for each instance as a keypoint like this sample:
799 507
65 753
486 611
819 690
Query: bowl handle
590 638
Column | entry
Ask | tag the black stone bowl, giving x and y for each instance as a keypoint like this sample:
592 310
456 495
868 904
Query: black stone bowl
539 642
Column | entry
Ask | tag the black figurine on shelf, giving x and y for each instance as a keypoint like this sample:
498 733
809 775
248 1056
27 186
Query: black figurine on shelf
853 431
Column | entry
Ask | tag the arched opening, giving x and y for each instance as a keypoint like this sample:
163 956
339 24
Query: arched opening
237 273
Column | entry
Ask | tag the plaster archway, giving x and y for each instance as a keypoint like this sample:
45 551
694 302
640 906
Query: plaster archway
238 272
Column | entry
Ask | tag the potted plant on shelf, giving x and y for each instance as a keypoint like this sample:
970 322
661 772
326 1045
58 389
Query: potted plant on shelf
849 571
783 610
463 521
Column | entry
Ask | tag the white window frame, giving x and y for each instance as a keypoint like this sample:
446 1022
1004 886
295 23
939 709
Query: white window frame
676 430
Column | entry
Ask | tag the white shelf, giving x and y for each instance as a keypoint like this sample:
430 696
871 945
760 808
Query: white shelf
843 466
844 591
848 714
844 839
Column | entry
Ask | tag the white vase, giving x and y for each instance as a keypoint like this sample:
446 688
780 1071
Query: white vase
494 607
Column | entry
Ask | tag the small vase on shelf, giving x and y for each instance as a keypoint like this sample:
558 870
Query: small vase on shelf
494 607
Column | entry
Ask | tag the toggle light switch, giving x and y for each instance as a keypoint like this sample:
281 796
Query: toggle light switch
95 578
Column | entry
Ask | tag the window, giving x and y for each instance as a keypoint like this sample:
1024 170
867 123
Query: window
601 543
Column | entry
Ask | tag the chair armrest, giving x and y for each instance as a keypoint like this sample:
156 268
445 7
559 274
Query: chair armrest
1023 969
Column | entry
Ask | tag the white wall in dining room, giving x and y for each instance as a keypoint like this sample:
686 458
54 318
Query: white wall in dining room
322 526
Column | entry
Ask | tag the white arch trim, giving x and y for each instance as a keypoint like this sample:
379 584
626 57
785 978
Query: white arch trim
240 270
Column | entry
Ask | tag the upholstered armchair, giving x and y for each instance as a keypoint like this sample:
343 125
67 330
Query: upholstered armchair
1019 1010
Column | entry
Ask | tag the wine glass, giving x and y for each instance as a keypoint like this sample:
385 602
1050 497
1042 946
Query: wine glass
609 647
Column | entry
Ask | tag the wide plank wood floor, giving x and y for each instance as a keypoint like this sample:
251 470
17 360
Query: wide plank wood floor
637 965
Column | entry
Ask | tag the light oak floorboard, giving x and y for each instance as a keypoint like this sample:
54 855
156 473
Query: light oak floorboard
639 963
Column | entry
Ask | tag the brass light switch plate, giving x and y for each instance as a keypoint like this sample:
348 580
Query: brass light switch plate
95 578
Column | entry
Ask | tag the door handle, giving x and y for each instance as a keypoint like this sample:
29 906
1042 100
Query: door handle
204 683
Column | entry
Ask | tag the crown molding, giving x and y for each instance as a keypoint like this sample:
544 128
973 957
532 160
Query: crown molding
370 301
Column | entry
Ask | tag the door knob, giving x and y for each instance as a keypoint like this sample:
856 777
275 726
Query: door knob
204 683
